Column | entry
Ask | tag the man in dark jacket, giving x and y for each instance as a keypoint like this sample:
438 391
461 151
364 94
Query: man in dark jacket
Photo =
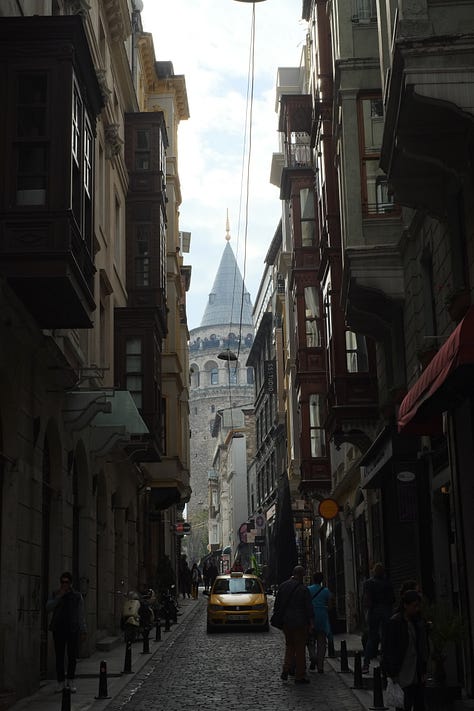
293 603
405 651
67 625
378 598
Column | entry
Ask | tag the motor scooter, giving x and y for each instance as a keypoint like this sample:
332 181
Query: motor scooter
130 616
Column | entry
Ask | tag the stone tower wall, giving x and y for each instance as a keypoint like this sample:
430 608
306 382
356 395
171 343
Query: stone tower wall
207 397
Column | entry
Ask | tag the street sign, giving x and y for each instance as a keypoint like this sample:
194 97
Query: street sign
328 509
182 527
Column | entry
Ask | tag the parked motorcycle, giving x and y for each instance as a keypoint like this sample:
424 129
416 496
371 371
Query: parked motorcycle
167 606
137 616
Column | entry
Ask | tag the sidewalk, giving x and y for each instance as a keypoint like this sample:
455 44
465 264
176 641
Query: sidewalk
87 672
434 701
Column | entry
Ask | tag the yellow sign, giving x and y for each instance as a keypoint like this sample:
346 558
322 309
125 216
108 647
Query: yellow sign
328 509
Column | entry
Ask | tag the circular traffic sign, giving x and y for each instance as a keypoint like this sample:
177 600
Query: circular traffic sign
328 509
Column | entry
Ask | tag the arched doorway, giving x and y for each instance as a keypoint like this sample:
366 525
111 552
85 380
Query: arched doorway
51 542
103 583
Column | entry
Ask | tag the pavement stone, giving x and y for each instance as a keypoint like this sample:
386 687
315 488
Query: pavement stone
191 670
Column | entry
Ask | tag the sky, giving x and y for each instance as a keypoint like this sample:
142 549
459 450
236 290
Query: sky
208 41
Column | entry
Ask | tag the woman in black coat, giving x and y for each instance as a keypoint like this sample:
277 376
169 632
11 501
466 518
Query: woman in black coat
404 651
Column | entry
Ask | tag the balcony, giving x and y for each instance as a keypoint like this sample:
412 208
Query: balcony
315 475
429 96
51 98
351 399
46 262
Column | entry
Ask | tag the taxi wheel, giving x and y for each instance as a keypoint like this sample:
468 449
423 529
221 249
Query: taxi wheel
210 629
266 627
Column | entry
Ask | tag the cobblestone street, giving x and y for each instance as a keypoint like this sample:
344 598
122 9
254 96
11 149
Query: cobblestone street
236 671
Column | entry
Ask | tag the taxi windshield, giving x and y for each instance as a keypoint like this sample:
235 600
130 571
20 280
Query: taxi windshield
236 585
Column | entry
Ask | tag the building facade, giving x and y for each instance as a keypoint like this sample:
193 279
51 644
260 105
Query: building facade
377 125
92 305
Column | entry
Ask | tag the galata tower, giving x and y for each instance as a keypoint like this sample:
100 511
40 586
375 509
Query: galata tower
218 384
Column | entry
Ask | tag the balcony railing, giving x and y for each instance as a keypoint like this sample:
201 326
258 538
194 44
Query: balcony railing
298 153
380 209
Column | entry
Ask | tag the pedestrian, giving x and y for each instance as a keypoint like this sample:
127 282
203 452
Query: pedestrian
320 599
68 626
404 658
293 605
378 599
205 574
213 572
195 580
184 578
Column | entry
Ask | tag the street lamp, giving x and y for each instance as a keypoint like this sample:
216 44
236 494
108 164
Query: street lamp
228 354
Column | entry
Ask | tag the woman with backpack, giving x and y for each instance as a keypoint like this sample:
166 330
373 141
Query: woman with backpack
317 643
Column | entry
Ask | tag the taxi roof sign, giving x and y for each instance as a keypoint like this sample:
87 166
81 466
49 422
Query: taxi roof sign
328 509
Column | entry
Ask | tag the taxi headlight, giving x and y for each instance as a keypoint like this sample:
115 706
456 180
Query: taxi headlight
260 607
214 608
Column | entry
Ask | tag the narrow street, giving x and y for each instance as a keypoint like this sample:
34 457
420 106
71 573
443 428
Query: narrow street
235 670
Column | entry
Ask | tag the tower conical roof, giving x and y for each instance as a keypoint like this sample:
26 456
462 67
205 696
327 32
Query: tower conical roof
225 300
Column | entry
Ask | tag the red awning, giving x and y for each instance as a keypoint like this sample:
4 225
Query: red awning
426 400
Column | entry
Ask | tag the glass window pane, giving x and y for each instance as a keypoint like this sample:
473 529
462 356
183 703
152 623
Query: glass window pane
32 89
143 140
142 161
307 204
318 448
31 122
307 233
134 364
314 411
134 383
134 345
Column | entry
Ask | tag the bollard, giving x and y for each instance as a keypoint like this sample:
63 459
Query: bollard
158 631
127 667
167 624
378 693
146 641
358 681
66 699
344 662
331 650
103 694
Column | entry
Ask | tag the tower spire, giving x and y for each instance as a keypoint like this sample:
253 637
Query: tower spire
227 227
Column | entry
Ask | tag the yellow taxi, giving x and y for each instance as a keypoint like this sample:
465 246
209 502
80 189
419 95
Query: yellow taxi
237 600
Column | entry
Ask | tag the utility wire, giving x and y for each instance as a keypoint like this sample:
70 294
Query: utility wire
244 194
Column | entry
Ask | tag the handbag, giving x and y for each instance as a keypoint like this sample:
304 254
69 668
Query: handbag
276 620
394 694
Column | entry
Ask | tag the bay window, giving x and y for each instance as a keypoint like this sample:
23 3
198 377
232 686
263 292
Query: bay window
134 369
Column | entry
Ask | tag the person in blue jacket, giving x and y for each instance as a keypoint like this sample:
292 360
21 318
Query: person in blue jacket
317 642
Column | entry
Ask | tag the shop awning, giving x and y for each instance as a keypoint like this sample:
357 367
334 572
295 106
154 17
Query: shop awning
448 377
120 423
